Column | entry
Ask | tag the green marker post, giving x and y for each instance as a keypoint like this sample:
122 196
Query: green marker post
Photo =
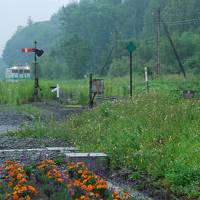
131 48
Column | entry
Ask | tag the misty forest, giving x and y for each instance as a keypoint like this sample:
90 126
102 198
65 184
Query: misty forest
92 37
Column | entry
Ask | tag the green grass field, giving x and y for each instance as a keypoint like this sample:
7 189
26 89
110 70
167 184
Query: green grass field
22 92
156 133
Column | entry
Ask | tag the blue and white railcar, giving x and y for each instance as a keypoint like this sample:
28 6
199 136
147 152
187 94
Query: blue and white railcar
18 72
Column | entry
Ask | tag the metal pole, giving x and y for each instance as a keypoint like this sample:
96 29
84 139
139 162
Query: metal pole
36 87
131 74
35 70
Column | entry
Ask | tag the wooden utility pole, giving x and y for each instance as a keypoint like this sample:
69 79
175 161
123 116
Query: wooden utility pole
174 48
158 43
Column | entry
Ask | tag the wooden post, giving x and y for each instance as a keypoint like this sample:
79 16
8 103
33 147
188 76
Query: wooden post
90 92
146 79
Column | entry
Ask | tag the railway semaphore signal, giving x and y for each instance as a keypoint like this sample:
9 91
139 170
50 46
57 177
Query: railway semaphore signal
38 53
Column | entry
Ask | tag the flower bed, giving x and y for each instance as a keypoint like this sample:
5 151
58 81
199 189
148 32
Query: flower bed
49 179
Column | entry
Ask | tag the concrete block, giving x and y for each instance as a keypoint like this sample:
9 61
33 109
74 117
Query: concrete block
59 149
98 162
62 149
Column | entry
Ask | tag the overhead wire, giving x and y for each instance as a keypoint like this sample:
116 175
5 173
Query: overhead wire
178 22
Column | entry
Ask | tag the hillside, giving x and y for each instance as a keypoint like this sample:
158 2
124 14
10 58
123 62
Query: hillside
45 33
91 36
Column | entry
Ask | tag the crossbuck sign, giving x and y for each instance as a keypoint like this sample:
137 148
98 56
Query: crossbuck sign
57 90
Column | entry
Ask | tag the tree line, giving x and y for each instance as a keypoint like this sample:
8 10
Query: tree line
92 36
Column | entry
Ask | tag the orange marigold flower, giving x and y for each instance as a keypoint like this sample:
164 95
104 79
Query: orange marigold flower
15 196
90 188
10 184
84 187
19 176
32 189
83 197
60 180
23 180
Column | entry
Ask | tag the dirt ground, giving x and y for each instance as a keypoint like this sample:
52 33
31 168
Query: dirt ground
12 120
57 111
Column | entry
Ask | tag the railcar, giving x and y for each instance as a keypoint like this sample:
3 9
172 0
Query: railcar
18 72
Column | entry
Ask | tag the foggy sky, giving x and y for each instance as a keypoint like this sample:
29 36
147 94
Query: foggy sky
14 13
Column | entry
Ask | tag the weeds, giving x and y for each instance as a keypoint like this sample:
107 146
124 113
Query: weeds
155 133
22 92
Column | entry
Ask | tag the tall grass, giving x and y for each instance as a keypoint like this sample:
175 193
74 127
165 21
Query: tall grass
156 133
22 92
15 93
153 133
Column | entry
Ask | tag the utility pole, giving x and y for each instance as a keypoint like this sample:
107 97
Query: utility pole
174 48
158 43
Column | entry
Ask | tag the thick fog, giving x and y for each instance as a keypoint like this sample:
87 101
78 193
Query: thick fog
14 13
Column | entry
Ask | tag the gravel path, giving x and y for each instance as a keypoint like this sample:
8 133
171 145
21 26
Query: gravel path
10 121
57 111
7 142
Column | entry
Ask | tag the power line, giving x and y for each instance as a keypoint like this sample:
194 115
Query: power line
178 22
183 21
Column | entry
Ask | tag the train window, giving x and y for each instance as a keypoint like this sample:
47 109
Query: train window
14 71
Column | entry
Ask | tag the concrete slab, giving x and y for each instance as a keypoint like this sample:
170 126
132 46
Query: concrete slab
98 162
60 149
82 155
20 150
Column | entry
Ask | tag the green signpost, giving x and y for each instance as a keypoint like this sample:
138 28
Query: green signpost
131 48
